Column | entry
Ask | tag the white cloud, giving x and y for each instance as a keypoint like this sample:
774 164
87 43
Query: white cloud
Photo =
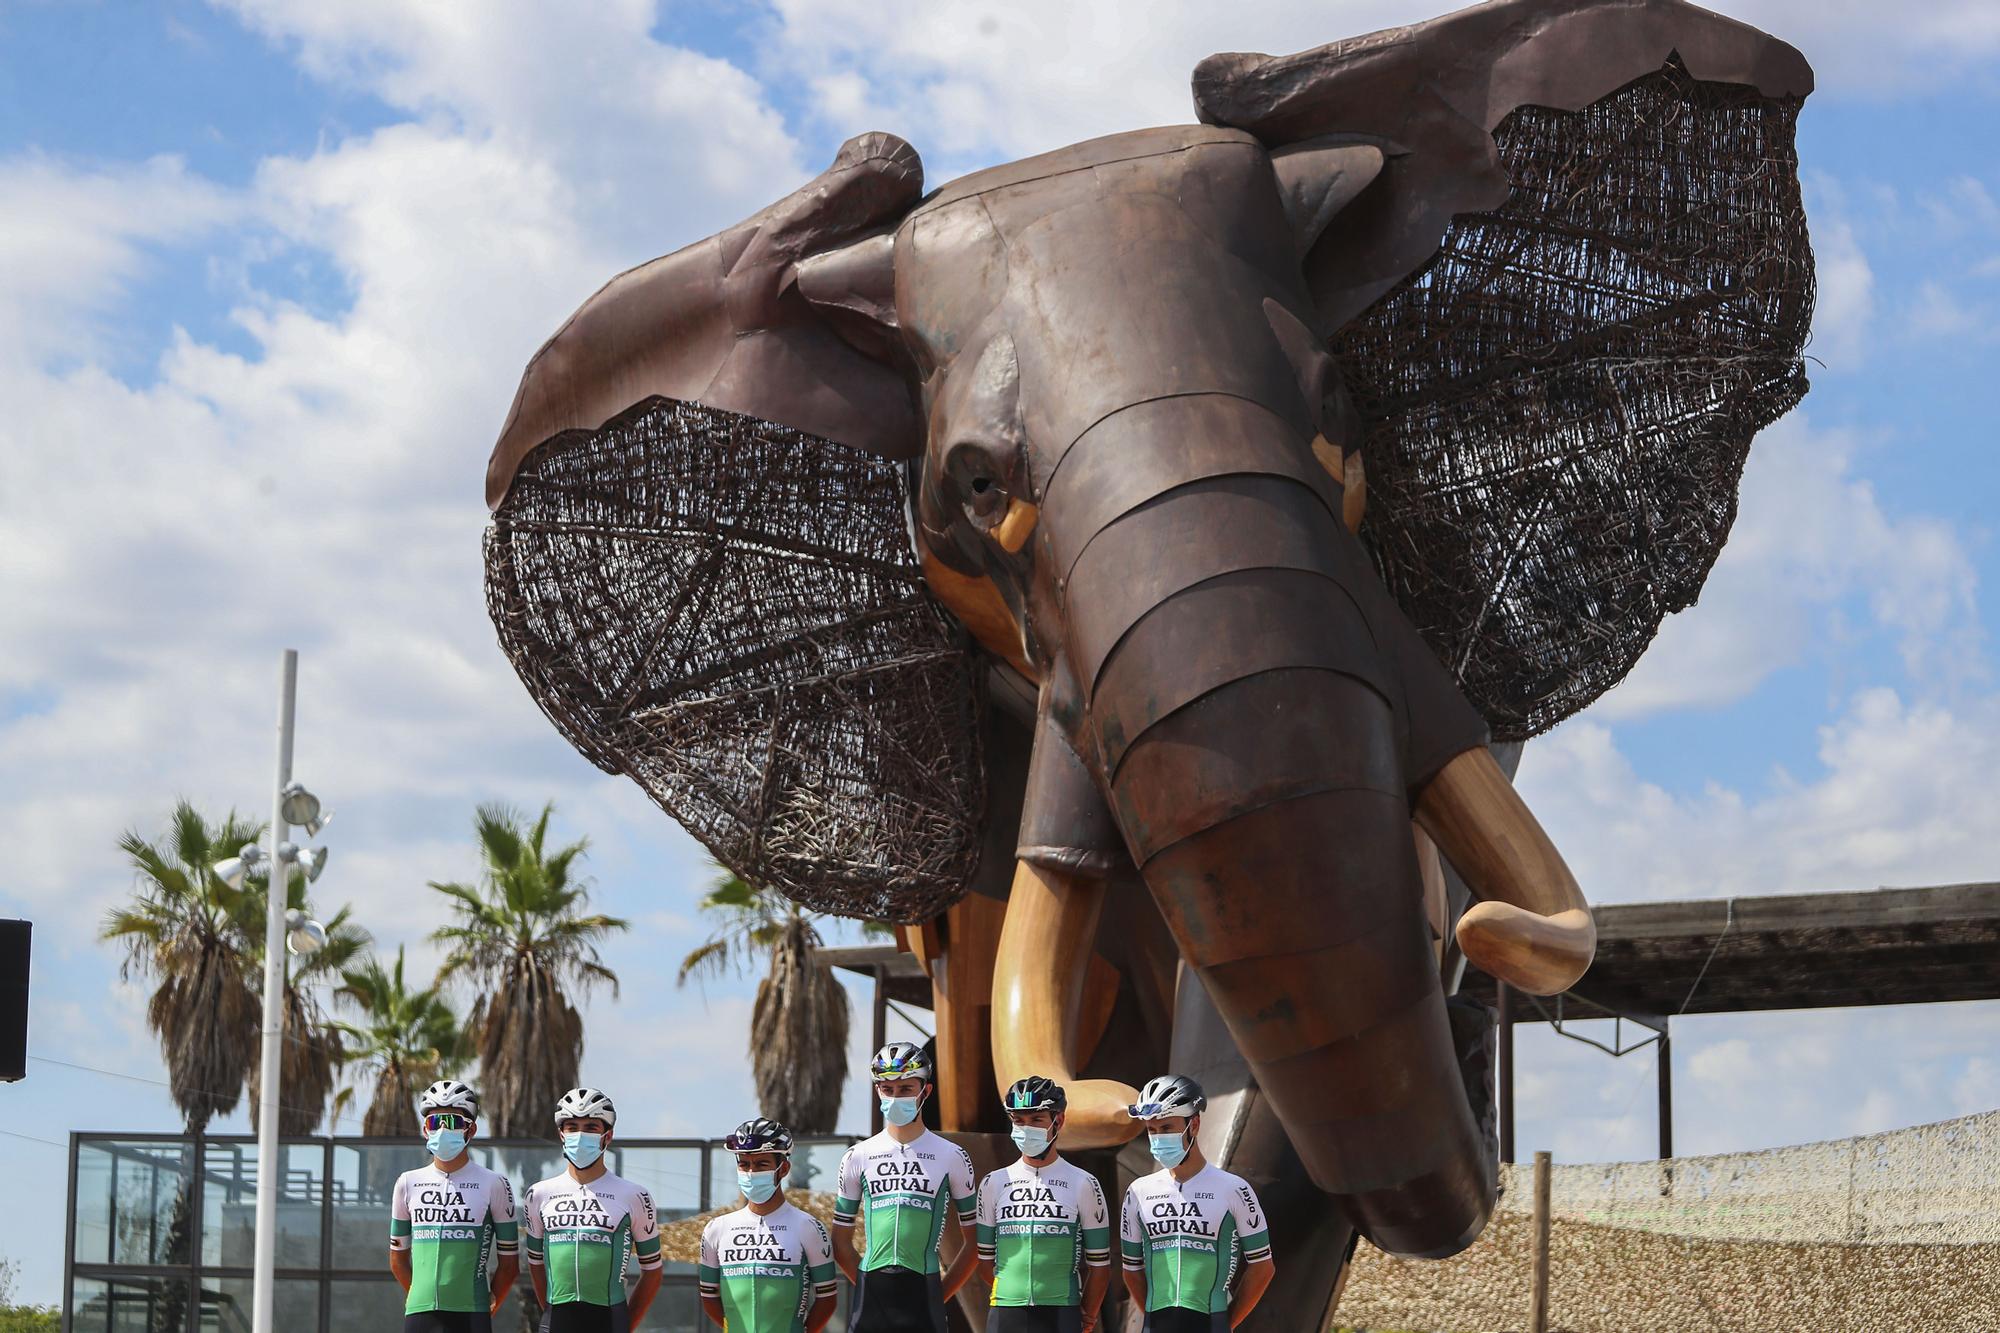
1812 541
1902 799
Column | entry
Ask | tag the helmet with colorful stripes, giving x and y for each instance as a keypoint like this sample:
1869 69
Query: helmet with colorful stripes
1035 1093
900 1059
759 1135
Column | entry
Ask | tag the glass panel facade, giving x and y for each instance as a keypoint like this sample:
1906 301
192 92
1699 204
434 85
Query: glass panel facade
370 1307
229 1204
187 1206
129 1305
225 1305
671 1175
134 1202
364 1177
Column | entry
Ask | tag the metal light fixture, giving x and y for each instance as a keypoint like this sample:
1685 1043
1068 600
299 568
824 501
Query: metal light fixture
247 861
300 807
312 860
316 823
303 935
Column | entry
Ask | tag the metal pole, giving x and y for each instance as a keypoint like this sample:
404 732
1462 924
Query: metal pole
263 1282
1506 1071
1666 1055
1538 1304
880 1037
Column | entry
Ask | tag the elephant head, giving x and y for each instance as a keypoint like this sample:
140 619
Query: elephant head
1133 468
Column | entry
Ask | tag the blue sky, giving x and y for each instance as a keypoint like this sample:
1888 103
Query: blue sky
272 269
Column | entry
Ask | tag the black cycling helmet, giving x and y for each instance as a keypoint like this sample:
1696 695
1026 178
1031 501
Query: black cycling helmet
900 1059
759 1135
1035 1093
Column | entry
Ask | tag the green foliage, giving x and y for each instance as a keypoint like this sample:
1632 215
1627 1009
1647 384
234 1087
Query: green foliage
523 938
407 1038
30 1319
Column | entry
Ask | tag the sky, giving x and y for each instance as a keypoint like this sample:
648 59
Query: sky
271 271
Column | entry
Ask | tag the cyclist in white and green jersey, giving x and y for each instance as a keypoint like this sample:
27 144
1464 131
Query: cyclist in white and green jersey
452 1233
900 1184
586 1226
767 1267
1196 1248
1044 1232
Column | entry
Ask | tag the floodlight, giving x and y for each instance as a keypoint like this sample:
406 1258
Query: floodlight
299 806
312 860
248 859
302 934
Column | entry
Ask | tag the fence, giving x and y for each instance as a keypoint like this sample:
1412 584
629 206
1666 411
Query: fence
161 1227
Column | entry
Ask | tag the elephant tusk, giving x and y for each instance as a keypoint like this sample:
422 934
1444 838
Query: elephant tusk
1038 974
1014 529
1532 928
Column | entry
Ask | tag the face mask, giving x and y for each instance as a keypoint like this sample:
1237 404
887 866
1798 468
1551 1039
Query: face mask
1169 1150
445 1144
583 1149
757 1186
1032 1142
899 1110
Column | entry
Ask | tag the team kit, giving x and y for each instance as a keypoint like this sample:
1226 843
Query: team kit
1192 1240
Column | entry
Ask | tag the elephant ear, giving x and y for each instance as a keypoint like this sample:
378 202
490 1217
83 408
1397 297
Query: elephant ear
700 563
1579 286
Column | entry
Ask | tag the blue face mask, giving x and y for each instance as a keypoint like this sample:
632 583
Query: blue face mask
1032 1141
1169 1150
445 1144
583 1149
899 1110
757 1186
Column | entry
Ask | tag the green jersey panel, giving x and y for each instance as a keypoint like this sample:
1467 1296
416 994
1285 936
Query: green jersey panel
453 1226
586 1234
767 1271
1039 1227
1190 1237
902 1193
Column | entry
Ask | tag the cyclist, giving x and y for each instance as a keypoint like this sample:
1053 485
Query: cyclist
1044 1232
586 1226
1190 1231
898 1183
451 1224
767 1267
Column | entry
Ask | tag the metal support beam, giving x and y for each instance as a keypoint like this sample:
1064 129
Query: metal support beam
1506 1072
881 1039
1666 1057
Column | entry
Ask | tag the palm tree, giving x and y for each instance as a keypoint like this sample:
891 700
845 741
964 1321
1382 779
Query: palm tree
409 1038
313 1051
524 940
183 929
798 1025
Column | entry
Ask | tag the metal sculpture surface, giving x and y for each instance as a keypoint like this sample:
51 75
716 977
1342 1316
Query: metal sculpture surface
1280 459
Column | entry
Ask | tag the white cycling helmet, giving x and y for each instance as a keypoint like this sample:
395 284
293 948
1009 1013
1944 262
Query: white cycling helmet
586 1104
1168 1095
449 1095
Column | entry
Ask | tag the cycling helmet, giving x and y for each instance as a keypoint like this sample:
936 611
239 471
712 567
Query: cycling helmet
759 1135
900 1059
1169 1094
1035 1093
586 1104
449 1095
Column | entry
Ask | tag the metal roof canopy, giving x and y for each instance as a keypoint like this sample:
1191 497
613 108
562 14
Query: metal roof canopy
1740 955
1796 951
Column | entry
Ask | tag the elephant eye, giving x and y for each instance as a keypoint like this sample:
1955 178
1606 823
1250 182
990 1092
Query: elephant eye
980 485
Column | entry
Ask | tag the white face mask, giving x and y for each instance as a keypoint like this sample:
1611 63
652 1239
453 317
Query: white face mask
757 1186
583 1149
1169 1150
899 1110
1032 1140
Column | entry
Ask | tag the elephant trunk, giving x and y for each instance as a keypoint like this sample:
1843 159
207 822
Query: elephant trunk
1240 707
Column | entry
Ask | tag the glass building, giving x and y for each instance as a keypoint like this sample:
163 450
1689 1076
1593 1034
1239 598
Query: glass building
162 1227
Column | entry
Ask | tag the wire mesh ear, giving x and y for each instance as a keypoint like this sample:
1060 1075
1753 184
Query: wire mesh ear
730 612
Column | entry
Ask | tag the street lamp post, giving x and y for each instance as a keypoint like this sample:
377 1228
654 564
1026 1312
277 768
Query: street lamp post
291 804
263 1279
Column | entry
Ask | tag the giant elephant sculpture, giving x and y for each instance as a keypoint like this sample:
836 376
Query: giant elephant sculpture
1261 470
